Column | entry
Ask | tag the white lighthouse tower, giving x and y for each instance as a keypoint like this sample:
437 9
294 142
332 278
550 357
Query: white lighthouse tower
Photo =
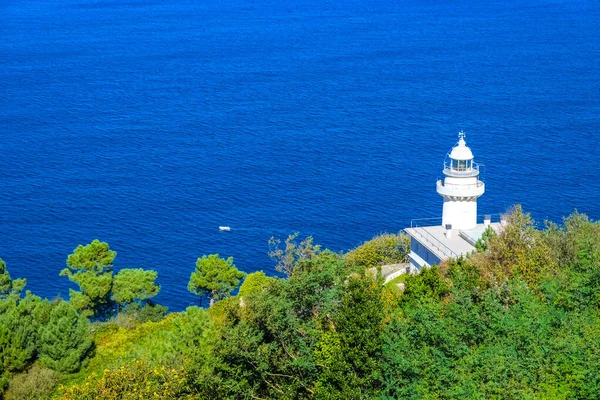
460 187
459 231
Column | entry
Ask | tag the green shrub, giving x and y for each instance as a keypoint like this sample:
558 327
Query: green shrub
255 282
383 249
36 384
136 380
64 341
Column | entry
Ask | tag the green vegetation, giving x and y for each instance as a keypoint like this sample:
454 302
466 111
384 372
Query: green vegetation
482 243
255 282
288 257
215 277
519 319
131 285
399 279
392 286
64 345
90 267
35 384
381 250
9 287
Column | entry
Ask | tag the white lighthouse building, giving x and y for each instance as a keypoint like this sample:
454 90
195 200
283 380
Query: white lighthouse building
459 229
460 187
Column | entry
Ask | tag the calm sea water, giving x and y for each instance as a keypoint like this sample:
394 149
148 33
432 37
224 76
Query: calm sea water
148 125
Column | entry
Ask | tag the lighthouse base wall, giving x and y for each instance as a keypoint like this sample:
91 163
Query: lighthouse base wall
460 214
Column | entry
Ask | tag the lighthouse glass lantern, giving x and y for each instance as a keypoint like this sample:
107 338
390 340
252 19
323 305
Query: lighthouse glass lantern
460 187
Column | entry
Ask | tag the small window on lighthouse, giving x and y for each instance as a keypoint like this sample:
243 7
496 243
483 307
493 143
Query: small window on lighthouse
461 165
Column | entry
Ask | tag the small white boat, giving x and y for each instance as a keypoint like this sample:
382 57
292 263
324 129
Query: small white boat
225 228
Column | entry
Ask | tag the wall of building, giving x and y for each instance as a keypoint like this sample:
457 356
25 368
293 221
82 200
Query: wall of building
421 256
460 214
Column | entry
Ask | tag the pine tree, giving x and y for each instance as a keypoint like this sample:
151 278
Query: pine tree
215 277
130 285
9 286
64 342
90 266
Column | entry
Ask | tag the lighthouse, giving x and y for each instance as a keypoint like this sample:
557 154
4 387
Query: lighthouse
459 231
460 187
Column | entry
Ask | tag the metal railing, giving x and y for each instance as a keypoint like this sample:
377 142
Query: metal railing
440 182
459 186
416 222
441 247
435 242
473 171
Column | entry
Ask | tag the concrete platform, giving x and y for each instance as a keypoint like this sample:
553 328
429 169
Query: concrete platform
432 245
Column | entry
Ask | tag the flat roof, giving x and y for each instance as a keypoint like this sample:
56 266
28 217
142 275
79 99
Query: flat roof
461 241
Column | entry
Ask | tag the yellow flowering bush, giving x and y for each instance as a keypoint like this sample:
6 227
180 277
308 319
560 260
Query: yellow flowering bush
136 380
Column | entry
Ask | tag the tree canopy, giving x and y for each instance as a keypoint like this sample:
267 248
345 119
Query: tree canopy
64 341
9 286
518 319
383 249
90 267
215 277
96 256
134 284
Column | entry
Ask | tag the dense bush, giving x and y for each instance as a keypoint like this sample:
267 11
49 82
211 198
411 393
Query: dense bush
36 384
383 249
518 319
9 286
64 343
133 381
21 320
255 282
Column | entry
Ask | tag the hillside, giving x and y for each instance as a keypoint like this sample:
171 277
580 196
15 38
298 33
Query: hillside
517 320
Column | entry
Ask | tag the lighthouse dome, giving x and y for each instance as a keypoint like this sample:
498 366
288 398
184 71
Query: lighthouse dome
461 151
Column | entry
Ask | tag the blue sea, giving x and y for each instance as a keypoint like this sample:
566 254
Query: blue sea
147 124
